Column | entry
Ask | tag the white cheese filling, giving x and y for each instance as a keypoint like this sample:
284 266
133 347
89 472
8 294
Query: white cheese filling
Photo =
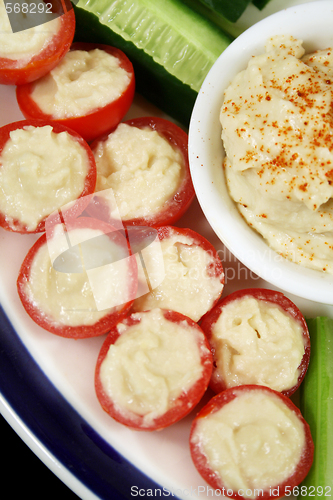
150 365
187 286
253 443
40 171
82 82
92 286
256 342
141 167
24 45
277 133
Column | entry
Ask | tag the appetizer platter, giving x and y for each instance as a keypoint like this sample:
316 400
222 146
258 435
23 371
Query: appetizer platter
56 387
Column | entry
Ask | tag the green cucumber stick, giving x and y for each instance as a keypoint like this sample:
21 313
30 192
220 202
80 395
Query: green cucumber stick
172 47
230 9
316 403
260 4
229 27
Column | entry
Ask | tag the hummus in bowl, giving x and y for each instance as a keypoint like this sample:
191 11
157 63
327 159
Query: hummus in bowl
265 185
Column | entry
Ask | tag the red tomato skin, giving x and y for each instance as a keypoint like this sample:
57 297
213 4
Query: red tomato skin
98 121
186 401
201 463
267 295
103 325
182 199
46 60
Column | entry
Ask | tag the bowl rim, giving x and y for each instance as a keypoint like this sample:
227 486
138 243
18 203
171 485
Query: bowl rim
205 163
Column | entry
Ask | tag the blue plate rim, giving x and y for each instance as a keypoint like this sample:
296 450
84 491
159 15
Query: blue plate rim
60 429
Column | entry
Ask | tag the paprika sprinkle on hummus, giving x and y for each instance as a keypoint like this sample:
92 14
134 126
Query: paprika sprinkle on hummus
277 131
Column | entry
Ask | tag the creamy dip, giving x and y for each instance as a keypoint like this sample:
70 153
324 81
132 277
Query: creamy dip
82 82
188 287
254 442
74 295
24 45
151 364
257 342
142 168
40 171
277 131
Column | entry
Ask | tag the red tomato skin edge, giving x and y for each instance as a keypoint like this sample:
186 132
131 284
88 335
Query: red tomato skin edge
185 194
83 199
186 401
100 120
201 463
265 294
103 325
43 62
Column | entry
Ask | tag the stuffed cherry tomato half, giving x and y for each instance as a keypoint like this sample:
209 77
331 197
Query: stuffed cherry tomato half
145 163
193 274
90 91
251 442
257 336
78 279
30 54
152 370
44 167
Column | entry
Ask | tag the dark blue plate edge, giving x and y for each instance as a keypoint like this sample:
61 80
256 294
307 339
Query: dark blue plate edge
61 429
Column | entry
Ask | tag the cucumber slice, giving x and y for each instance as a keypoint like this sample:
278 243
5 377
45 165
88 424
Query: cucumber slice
231 28
260 4
171 46
230 9
316 403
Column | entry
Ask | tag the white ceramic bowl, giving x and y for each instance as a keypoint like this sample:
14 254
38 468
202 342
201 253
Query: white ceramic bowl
312 23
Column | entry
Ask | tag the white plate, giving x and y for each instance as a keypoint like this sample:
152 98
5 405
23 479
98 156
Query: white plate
48 392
